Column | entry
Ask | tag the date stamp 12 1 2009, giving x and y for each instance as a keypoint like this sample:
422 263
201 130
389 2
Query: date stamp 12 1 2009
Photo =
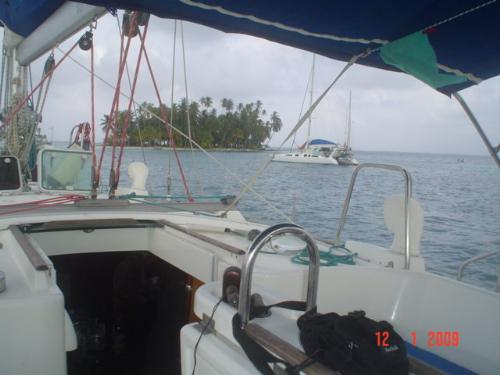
434 338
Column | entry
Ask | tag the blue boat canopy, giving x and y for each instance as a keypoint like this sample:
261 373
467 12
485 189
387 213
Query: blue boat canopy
321 142
448 44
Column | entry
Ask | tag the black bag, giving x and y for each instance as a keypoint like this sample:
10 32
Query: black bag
353 344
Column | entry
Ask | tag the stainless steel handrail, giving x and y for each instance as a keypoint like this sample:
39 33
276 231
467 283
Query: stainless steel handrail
475 259
408 192
256 246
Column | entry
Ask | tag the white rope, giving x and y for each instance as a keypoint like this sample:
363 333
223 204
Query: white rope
169 178
281 26
188 117
446 20
218 162
320 98
302 107
45 93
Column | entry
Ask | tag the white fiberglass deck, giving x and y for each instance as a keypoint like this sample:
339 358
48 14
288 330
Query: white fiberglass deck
412 301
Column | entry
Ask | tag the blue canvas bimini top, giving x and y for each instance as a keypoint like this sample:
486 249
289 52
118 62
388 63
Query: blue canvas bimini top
448 44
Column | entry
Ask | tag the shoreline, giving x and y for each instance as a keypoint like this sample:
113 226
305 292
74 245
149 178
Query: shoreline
189 149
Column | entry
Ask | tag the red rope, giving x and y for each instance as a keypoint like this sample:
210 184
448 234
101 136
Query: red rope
168 127
44 78
40 201
132 26
131 101
39 204
116 100
113 116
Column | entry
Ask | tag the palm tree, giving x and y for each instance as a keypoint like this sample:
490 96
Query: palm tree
104 122
227 104
206 101
276 122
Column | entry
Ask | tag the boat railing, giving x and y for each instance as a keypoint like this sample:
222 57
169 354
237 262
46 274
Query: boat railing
256 246
475 259
407 196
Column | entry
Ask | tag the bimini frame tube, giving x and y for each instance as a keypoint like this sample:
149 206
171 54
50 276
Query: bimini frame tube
68 19
408 192
493 152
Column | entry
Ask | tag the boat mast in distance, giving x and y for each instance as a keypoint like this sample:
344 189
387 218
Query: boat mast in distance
348 140
308 139
345 155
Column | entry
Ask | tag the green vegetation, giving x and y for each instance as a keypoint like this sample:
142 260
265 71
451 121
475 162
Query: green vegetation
245 126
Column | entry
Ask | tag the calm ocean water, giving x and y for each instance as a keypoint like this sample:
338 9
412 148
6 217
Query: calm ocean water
461 201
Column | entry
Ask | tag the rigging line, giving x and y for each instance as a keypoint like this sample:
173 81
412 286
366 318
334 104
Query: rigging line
188 116
302 106
2 74
129 108
39 97
8 73
169 131
446 20
46 90
31 78
23 102
168 128
114 106
196 144
39 201
320 98
116 118
130 87
92 106
248 185
108 121
48 203
294 130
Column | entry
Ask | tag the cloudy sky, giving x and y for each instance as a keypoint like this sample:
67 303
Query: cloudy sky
390 111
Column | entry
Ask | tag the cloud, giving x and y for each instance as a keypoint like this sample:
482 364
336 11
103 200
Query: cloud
390 111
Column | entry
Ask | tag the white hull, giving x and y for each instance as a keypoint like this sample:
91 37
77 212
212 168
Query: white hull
348 161
305 159
384 294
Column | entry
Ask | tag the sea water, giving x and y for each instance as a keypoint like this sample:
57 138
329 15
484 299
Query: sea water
460 196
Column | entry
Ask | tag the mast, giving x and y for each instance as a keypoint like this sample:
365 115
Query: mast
310 103
348 141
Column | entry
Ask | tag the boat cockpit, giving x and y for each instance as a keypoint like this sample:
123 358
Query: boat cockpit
108 286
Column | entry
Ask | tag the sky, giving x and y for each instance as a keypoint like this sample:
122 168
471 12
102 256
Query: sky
390 111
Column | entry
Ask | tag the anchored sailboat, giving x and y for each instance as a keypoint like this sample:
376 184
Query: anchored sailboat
316 151
320 151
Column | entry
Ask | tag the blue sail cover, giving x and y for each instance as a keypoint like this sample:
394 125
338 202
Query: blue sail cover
448 44
321 142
